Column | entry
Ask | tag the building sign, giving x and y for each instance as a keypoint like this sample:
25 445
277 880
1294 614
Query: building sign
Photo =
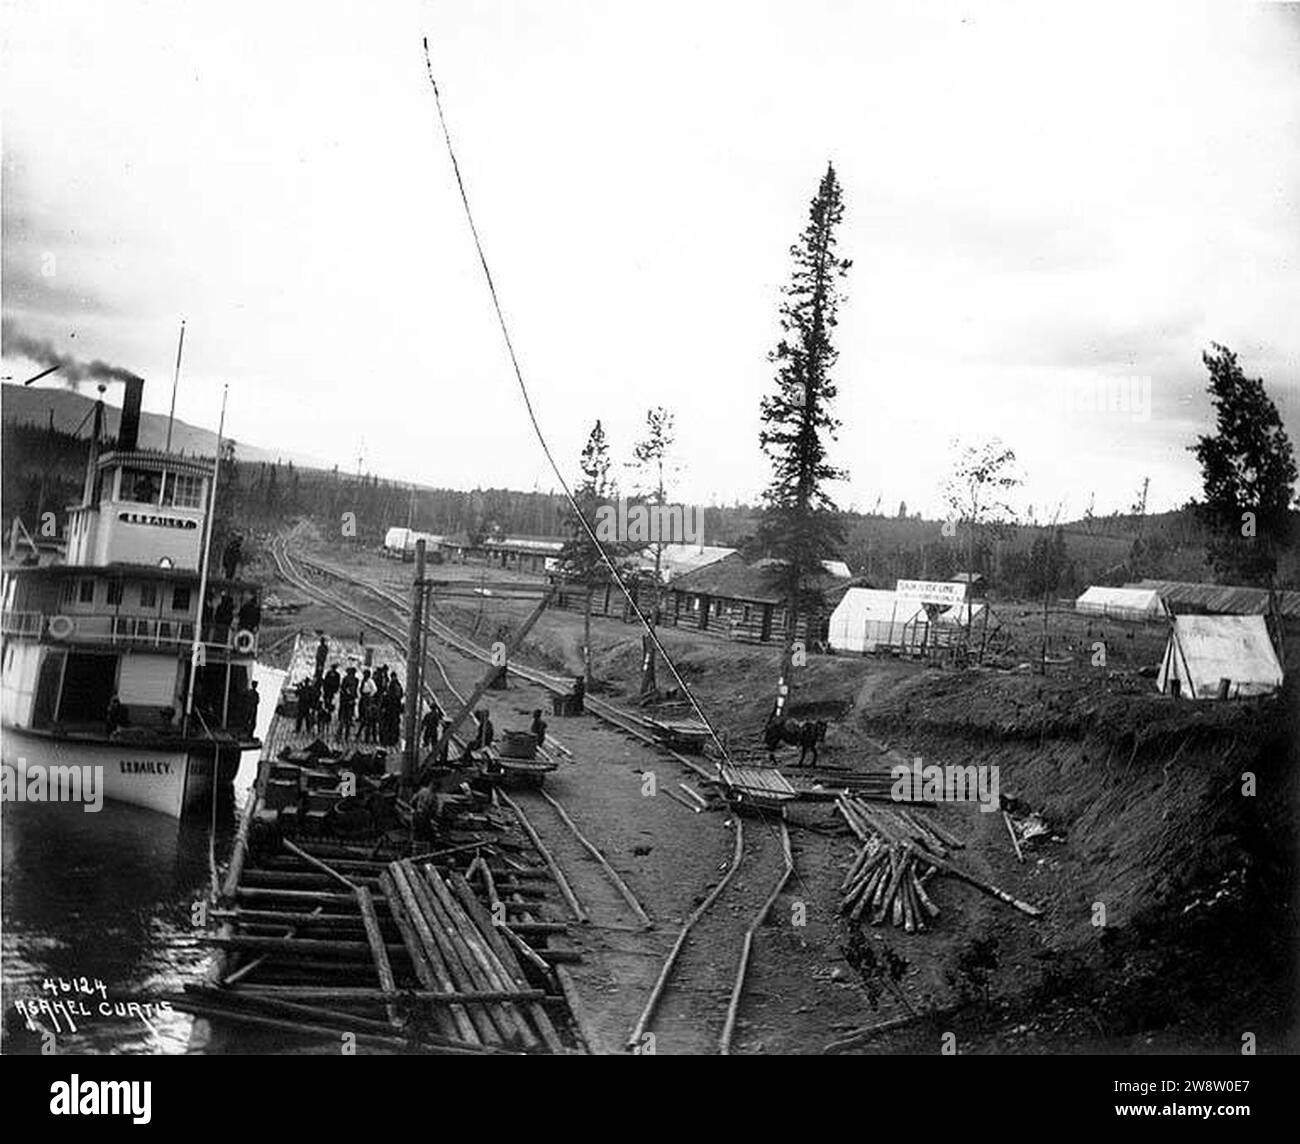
157 521
931 591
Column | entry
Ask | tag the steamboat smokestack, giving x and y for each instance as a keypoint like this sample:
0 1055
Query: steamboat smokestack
128 433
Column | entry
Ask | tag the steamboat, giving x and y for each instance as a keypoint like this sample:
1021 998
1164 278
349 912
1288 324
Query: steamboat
126 655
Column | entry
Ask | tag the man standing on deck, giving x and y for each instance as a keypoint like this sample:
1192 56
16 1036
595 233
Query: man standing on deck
115 717
251 700
306 705
250 614
223 617
322 654
367 693
330 685
231 556
347 705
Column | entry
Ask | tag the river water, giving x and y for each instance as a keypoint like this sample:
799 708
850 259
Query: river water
108 897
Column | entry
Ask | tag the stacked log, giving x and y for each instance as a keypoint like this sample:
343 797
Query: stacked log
896 824
885 884
457 947
886 831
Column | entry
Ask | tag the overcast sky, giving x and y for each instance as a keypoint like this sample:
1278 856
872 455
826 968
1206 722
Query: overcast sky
1038 198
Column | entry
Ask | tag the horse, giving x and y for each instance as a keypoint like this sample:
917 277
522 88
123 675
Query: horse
805 735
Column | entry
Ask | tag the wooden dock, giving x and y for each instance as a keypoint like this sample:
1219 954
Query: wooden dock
338 929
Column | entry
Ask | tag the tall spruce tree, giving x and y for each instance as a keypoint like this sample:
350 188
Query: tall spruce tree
1248 471
800 526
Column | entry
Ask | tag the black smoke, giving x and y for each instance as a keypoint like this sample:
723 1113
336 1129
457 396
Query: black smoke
14 343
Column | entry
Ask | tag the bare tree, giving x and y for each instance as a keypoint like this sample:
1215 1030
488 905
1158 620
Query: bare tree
651 454
976 490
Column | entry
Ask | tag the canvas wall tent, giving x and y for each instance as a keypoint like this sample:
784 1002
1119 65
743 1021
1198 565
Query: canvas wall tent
1203 650
867 618
1121 603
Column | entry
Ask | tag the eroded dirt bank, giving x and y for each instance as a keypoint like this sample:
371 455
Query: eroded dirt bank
1167 880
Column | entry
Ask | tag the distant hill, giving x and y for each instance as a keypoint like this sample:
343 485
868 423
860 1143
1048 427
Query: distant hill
22 406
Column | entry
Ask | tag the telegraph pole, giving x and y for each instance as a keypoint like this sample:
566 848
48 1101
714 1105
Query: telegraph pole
411 754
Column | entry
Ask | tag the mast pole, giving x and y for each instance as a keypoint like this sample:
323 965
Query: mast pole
196 648
176 380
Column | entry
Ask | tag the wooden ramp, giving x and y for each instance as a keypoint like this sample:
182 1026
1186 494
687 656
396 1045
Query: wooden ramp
765 786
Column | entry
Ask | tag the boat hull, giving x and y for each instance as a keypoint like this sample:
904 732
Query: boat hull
166 779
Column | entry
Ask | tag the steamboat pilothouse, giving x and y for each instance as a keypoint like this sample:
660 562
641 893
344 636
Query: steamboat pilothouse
98 651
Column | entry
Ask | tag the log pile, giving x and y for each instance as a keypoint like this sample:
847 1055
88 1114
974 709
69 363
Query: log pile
888 884
452 950
455 946
926 848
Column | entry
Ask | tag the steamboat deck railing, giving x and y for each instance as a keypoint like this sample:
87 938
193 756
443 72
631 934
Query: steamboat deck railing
135 632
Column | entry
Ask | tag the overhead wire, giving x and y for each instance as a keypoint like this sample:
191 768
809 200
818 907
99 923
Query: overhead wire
725 756
541 437
577 512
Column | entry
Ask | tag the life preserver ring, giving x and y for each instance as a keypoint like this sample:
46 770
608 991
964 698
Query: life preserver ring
62 627
245 641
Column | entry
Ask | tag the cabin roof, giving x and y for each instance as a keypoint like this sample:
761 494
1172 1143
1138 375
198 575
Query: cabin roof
157 459
732 578
1225 599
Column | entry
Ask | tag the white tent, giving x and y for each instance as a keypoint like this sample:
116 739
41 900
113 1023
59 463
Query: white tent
869 617
1121 603
1204 650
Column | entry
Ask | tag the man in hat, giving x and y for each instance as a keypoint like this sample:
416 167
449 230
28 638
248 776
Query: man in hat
483 738
251 700
431 725
538 728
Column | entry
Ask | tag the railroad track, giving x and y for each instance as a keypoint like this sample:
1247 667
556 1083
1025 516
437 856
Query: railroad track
629 722
611 904
693 975
700 1015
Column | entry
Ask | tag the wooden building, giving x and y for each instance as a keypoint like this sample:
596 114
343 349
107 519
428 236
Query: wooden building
738 600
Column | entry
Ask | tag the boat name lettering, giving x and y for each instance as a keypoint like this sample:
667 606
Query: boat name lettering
156 521
144 767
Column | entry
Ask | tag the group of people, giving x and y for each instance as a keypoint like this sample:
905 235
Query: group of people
369 705
223 617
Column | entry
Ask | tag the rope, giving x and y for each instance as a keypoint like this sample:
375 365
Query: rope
559 475
532 416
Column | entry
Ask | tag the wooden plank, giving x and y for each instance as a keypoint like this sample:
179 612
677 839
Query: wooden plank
378 951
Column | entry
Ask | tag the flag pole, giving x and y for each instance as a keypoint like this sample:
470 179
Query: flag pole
176 380
196 648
